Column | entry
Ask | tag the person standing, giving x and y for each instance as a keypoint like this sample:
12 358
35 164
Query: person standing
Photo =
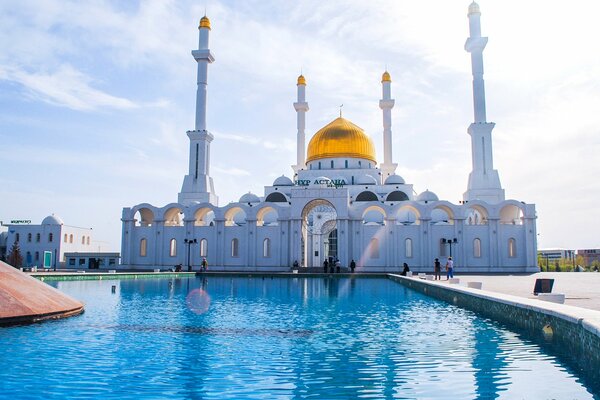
204 264
325 265
352 265
449 268
437 268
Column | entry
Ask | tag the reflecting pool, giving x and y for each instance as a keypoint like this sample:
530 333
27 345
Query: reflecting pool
253 337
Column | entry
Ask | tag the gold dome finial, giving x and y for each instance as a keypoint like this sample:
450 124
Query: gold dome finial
386 77
301 80
474 8
204 22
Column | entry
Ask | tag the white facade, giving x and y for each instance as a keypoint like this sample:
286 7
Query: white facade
341 204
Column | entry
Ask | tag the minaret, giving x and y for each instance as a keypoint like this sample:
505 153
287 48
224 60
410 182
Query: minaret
198 185
484 182
301 107
386 104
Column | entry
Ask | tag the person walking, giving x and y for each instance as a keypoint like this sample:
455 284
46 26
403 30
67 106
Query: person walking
449 268
437 268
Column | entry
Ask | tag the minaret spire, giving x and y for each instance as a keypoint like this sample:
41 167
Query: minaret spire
386 104
484 182
198 185
301 107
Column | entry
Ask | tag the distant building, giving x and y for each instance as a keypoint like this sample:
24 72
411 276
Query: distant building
52 235
589 256
91 260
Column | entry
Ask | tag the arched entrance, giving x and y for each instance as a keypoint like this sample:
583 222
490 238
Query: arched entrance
319 233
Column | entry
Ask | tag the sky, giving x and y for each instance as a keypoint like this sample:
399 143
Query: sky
96 98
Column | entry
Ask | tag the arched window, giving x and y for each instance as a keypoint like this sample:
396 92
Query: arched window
88 240
66 238
331 164
143 247
374 248
442 248
477 248
512 247
267 247
203 248
83 240
319 164
38 237
50 237
29 236
28 257
408 248
173 248
37 256
235 248
346 163
397 195
366 196
276 197
17 237
71 238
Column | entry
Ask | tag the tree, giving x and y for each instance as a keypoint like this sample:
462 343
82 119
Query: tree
15 258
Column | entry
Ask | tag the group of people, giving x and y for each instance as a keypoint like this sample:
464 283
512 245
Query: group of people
437 269
203 266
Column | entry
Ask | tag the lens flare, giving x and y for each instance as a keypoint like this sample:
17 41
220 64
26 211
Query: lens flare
198 301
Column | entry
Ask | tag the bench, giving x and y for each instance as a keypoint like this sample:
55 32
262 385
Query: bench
475 285
552 297
454 281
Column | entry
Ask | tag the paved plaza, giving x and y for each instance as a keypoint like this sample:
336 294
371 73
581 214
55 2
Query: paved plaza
581 289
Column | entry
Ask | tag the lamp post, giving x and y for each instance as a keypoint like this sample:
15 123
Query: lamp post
189 243
450 242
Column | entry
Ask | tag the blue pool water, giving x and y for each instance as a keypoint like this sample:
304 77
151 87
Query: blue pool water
283 338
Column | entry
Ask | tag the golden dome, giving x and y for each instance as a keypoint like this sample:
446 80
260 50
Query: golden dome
386 77
340 138
301 80
204 22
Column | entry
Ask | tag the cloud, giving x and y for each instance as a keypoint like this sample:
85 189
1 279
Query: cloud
231 171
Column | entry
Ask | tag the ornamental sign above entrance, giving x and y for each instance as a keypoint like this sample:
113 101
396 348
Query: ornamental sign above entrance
328 182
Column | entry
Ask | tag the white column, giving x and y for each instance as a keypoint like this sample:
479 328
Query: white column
301 107
198 186
484 181
386 104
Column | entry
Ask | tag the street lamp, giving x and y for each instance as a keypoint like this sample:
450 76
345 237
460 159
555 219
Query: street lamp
189 243
450 242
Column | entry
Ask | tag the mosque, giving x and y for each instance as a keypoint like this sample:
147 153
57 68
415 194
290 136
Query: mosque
340 203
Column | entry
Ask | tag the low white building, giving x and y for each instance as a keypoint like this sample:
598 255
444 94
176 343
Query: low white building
340 204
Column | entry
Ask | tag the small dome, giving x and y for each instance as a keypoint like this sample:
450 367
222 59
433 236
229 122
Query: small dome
321 181
283 181
249 198
366 180
474 8
52 220
386 77
394 180
204 22
427 196
301 80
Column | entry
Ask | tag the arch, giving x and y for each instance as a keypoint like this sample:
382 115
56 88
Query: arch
71 238
367 196
276 197
267 216
408 248
373 248
267 248
203 248
319 216
477 248
397 195
173 247
204 217
408 215
235 216
512 247
173 217
144 217
476 215
66 238
235 247
374 215
143 247
442 215
511 214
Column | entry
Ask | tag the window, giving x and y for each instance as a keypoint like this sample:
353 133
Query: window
38 237
477 248
346 164
37 256
71 238
17 237
442 248
203 248
29 236
235 248
267 247
408 248
72 261
374 248
82 261
28 257
50 237
319 164
512 247
331 164
83 240
173 248
88 241
111 261
66 239
143 247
